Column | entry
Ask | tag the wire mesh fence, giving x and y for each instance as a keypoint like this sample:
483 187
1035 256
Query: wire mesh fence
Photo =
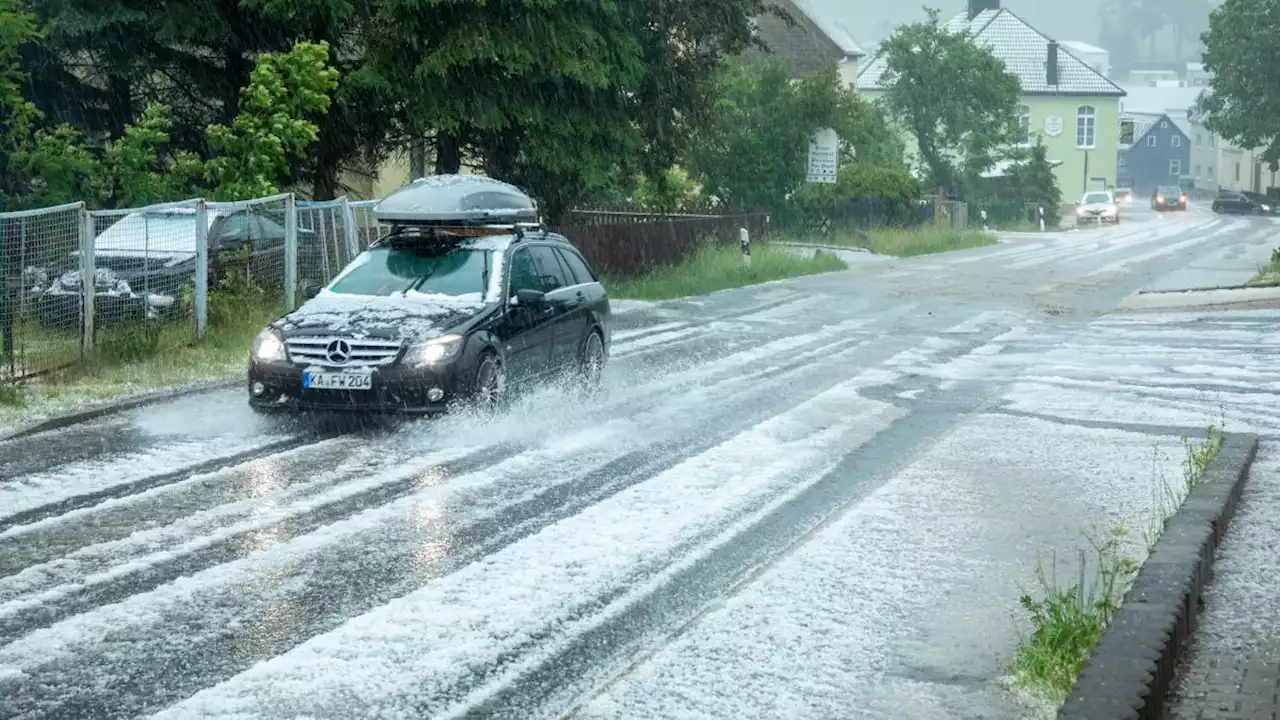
327 240
367 227
41 305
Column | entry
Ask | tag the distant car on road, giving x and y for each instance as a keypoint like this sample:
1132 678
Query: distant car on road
466 295
1098 206
1124 196
1238 203
1168 197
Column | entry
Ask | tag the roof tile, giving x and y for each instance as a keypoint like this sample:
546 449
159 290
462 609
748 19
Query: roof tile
1023 50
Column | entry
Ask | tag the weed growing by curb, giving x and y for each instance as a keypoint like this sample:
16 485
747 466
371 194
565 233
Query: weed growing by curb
1067 621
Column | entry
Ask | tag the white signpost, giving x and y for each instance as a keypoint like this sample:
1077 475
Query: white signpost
824 156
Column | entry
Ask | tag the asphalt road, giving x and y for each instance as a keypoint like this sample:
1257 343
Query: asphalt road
817 498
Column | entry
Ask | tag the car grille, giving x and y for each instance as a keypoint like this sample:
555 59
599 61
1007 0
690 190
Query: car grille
365 352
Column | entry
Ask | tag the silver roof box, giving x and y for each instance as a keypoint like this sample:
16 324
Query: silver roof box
456 199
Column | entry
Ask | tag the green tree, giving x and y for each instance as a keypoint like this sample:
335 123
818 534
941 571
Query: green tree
1241 47
957 100
752 154
275 124
142 167
1033 182
17 115
563 97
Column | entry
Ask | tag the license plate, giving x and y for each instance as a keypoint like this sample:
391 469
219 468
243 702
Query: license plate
337 381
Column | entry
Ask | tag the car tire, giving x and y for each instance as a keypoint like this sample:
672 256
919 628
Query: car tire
488 384
592 357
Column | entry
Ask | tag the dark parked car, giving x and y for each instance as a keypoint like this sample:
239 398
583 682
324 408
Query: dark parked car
1168 197
1238 203
144 259
465 297
1263 204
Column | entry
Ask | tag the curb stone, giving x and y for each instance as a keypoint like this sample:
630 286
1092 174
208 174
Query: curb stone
110 408
1212 288
1132 669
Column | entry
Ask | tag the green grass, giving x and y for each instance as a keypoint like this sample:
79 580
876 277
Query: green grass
719 268
1268 274
132 360
1067 620
907 242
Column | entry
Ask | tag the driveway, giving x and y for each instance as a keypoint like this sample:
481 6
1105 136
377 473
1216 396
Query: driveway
814 498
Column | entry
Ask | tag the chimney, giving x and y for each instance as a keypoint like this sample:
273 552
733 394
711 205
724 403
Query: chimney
1051 65
977 6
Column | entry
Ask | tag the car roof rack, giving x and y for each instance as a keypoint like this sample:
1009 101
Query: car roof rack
459 201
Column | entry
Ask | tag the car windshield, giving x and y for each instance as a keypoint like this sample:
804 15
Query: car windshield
1167 190
390 270
1096 198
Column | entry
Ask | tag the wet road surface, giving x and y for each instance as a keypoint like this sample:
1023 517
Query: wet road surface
814 498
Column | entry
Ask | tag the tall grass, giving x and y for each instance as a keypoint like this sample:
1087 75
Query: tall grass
714 268
1067 620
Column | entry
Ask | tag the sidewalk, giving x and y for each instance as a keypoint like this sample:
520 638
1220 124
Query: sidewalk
1233 669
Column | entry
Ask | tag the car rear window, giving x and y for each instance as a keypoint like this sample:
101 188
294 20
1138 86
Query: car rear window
578 266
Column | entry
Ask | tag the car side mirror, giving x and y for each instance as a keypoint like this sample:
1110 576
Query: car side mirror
310 290
529 298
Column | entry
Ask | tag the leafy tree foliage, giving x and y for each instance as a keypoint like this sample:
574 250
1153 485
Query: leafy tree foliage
563 97
275 123
252 156
956 99
1241 47
753 153
17 114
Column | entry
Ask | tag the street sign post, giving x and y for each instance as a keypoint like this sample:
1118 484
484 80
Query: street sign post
824 156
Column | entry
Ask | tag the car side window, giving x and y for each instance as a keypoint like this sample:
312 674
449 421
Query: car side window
553 275
577 266
233 230
524 272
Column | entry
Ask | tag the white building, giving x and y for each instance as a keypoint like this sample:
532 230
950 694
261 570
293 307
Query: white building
1093 56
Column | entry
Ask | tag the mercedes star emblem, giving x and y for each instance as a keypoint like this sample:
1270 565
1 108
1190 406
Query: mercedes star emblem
338 352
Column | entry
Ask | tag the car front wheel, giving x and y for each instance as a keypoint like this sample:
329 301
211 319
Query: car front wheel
489 385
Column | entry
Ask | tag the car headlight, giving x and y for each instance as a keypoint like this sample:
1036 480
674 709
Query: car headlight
1266 208
268 347
1079 211
434 351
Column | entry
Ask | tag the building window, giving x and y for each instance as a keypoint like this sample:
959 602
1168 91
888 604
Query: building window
1199 140
1164 124
1175 167
1151 140
1237 172
1024 122
1086 126
1177 141
1210 172
1197 172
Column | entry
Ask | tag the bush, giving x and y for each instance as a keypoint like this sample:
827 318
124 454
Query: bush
864 195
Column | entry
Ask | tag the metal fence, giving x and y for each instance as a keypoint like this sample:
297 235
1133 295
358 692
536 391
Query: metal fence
155 270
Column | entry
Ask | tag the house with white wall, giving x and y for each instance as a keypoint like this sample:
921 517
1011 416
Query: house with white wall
812 41
1092 55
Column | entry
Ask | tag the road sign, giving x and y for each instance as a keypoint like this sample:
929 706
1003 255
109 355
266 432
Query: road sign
824 156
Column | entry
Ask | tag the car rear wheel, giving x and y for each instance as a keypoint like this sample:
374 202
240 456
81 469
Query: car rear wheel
489 385
592 360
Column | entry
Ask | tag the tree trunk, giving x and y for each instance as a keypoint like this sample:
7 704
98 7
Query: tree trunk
448 155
